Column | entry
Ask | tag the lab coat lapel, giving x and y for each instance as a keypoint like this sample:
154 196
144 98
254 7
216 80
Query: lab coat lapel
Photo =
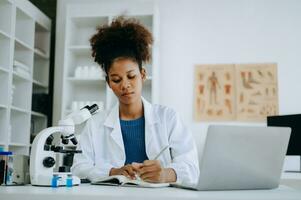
150 121
112 122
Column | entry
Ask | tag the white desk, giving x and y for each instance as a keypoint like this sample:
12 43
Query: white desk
289 190
92 192
292 180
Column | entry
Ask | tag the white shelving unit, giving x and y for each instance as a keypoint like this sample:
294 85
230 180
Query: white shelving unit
24 70
78 22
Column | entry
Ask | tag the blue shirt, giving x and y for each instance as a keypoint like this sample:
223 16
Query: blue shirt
133 134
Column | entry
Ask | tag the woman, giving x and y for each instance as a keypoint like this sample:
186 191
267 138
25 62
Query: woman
128 139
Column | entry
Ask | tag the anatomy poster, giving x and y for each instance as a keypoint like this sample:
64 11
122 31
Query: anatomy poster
257 93
214 92
245 92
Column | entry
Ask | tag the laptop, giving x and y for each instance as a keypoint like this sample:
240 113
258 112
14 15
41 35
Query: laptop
242 158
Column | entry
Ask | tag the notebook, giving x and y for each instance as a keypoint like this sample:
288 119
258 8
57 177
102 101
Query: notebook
124 181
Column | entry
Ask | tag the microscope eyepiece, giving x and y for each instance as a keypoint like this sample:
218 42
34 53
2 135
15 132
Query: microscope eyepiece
74 140
65 139
93 109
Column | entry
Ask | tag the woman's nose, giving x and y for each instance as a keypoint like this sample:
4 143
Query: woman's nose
125 84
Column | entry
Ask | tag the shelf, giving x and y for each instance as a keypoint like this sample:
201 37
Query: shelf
86 81
38 53
25 34
84 92
2 33
38 123
22 44
24 28
19 150
20 126
23 54
42 40
83 50
78 57
21 91
3 106
80 48
17 144
39 84
21 76
15 108
2 69
41 28
41 71
37 114
80 27
83 29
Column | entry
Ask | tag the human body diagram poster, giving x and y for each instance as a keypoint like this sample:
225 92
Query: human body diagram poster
228 92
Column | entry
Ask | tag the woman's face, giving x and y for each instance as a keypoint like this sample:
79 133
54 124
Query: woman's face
126 80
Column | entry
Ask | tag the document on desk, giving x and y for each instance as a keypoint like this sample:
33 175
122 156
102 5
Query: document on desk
124 181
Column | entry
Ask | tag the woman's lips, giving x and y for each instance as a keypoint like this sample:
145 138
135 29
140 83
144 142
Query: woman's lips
127 94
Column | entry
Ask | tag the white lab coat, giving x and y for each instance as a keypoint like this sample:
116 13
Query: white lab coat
102 144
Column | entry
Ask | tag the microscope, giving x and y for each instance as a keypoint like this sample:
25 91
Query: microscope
43 152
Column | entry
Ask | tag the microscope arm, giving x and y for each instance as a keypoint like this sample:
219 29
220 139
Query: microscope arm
41 138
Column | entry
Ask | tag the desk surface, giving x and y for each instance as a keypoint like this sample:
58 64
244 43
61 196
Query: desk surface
289 190
91 192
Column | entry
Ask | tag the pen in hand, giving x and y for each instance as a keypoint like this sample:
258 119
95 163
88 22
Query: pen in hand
161 152
139 165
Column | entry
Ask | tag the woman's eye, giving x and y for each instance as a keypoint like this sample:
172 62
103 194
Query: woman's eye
131 77
116 81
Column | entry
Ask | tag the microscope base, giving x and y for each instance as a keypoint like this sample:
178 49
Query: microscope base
46 180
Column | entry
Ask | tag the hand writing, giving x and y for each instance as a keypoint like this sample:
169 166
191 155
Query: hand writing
127 170
151 171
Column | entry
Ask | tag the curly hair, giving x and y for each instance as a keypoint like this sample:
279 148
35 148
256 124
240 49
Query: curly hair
122 38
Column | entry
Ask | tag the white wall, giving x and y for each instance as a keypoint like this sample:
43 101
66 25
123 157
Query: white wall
228 31
224 31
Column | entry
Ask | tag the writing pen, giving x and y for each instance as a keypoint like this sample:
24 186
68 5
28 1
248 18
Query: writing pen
161 152
155 158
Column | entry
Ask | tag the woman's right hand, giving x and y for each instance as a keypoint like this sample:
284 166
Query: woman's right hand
127 170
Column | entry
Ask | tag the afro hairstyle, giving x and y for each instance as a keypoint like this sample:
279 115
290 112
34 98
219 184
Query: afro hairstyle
123 38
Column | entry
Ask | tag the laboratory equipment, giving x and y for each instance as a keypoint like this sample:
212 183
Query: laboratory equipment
4 158
43 152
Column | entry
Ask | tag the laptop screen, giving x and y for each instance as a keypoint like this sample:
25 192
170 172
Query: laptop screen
294 122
